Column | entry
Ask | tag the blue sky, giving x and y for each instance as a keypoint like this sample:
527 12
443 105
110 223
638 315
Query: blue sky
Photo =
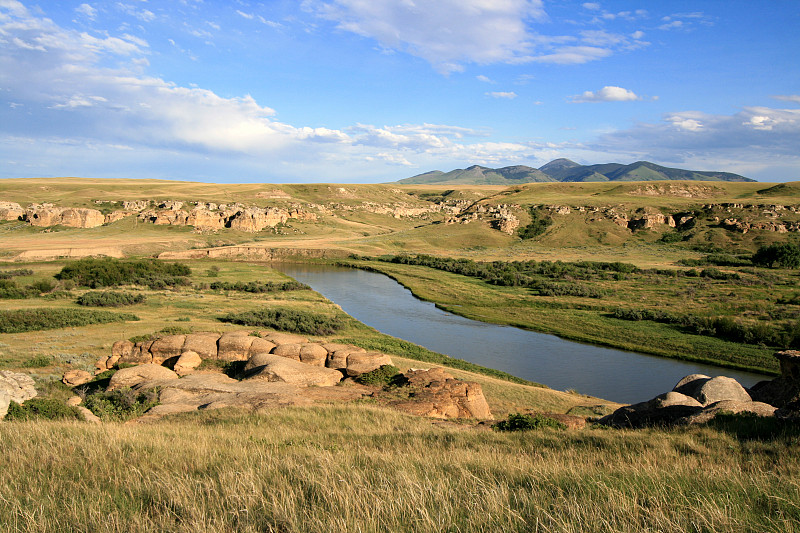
378 90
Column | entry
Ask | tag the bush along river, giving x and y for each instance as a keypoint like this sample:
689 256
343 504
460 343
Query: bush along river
384 304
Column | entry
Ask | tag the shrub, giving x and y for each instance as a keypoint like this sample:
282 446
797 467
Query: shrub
41 409
38 361
5 274
524 422
287 320
46 318
538 224
169 330
43 285
122 404
256 287
778 255
110 299
380 377
108 272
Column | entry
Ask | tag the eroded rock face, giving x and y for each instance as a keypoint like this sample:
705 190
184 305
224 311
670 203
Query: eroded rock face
74 217
437 394
187 363
11 211
362 362
15 387
75 378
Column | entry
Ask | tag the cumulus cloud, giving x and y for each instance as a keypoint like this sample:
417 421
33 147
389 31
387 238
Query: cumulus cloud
446 33
507 95
609 93
484 79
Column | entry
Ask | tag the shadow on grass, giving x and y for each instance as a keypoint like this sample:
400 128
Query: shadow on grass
746 427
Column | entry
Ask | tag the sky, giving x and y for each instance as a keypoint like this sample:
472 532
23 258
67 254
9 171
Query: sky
371 91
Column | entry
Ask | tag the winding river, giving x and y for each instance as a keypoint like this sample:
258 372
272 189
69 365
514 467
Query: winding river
387 306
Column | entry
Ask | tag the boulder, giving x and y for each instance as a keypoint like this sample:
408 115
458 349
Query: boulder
436 393
101 365
313 354
11 211
79 217
337 354
709 390
257 361
784 391
362 362
139 354
289 351
205 344
136 375
166 347
75 378
187 363
74 401
664 410
122 348
276 368
234 347
19 387
731 406
260 345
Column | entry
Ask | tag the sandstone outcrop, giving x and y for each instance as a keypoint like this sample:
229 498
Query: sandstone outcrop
15 387
435 393
134 375
74 217
271 367
11 211
75 378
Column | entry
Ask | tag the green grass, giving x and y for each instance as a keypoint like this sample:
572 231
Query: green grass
22 320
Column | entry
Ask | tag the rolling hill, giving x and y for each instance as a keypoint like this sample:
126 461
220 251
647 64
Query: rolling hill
567 171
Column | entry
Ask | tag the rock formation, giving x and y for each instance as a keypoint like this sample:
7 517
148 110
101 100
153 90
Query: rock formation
435 393
14 387
11 211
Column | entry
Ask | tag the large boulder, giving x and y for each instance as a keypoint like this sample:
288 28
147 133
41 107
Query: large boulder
313 354
15 387
270 367
123 348
362 362
437 394
187 363
337 354
260 345
167 347
235 346
289 351
664 410
710 390
75 378
136 375
782 392
732 407
205 344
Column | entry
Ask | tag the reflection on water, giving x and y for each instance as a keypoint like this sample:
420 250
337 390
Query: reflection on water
387 306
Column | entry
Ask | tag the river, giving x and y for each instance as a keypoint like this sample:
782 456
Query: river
384 304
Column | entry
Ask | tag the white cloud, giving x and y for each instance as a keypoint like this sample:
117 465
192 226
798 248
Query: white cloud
671 25
609 93
637 34
592 6
447 33
87 10
506 95
484 79
788 98
248 16
573 55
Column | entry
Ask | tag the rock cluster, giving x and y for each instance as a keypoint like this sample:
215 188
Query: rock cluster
11 211
279 369
14 387
435 393
45 215
698 398
184 353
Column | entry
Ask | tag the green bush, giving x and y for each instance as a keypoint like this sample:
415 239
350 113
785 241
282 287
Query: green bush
538 224
380 377
5 274
94 273
22 320
287 320
38 361
110 299
169 330
256 287
41 409
778 255
122 404
524 422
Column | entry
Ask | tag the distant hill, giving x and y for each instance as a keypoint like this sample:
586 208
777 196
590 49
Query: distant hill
566 170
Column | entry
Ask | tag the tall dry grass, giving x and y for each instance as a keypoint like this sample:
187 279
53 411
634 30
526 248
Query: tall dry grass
360 468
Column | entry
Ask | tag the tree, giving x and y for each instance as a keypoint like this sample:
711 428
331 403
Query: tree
785 255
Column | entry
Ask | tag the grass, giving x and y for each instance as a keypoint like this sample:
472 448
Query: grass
361 468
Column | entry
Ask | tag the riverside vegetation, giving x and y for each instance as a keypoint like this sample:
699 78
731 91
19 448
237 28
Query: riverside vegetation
359 466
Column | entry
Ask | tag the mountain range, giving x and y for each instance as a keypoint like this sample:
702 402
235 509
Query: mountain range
566 170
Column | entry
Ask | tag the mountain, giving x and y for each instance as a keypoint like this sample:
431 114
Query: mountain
566 170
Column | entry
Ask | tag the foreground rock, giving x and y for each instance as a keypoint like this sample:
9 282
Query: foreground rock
15 387
697 399
435 393
269 367
135 375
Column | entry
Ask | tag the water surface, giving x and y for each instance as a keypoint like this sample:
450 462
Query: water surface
384 304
